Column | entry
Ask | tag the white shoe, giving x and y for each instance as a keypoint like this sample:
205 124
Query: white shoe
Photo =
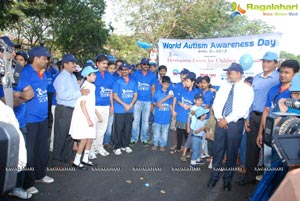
118 151
20 193
123 149
103 152
128 150
32 190
46 180
92 156
259 177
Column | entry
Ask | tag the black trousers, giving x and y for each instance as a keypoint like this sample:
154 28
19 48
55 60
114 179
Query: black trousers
226 140
63 142
252 150
37 151
122 129
180 134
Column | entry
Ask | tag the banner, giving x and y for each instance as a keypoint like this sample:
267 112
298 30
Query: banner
211 56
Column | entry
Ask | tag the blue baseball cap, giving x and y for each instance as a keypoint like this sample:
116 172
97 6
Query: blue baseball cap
235 67
88 70
38 51
23 54
190 75
9 42
145 61
68 58
197 96
201 111
270 56
184 71
295 83
89 63
124 65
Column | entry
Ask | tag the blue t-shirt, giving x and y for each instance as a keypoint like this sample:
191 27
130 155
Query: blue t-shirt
20 112
187 98
199 124
274 95
145 83
51 74
208 99
37 107
162 115
1 91
104 85
125 92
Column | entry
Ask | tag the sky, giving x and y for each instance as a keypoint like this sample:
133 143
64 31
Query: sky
287 25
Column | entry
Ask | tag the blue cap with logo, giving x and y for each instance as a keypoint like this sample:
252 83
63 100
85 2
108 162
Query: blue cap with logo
145 61
270 56
124 65
201 111
88 70
235 67
38 51
68 58
197 96
295 83
190 75
89 62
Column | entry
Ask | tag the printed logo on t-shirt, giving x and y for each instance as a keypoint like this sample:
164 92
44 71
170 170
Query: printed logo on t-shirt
186 101
104 92
143 86
165 107
127 93
42 95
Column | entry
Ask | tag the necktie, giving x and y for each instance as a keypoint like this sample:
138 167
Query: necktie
228 104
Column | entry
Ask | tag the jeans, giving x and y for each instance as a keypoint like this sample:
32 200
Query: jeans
107 135
141 110
160 134
196 147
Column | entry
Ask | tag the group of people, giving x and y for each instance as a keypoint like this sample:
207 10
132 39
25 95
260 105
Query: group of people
109 104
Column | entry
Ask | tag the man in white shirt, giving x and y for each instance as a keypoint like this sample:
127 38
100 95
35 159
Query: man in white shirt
231 108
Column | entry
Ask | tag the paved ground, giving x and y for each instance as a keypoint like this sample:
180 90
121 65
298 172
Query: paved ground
125 178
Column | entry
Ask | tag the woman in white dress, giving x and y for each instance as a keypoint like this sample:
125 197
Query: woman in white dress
83 120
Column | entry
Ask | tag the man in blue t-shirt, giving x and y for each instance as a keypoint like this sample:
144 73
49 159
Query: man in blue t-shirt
36 118
146 87
288 69
125 95
104 103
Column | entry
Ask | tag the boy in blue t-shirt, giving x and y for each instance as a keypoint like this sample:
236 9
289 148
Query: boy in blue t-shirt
162 115
198 133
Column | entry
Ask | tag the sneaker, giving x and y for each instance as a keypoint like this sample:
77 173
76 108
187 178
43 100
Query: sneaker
32 190
46 180
132 143
128 150
183 158
122 148
154 148
20 193
200 162
92 156
103 152
117 151
162 149
145 143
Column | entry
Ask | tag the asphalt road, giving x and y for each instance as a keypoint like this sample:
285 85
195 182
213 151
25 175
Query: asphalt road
141 175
